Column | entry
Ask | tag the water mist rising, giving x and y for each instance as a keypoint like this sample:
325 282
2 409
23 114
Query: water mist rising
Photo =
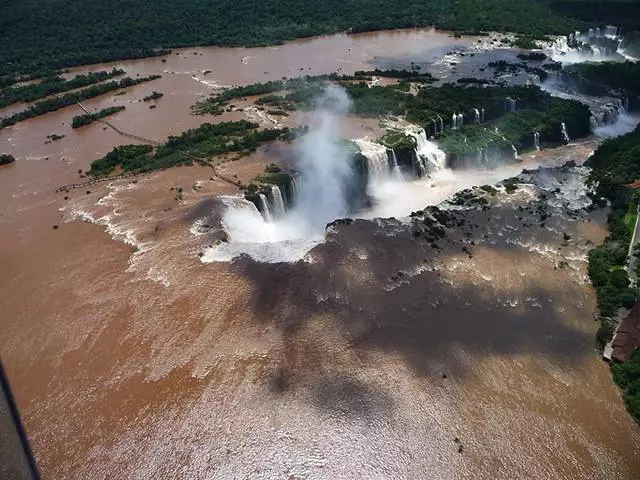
320 193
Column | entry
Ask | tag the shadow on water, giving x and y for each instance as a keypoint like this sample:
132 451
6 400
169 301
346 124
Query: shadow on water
383 302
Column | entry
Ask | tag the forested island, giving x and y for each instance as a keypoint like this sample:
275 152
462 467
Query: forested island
56 103
53 85
6 159
82 120
198 144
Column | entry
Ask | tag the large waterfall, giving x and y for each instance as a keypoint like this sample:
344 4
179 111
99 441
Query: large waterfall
476 113
429 157
394 163
536 140
377 159
277 201
295 188
264 207
608 113
596 44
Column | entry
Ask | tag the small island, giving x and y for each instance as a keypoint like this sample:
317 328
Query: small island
6 159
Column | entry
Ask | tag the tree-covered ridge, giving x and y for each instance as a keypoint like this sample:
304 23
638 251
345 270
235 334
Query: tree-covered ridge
58 33
53 85
619 75
56 103
88 118
197 144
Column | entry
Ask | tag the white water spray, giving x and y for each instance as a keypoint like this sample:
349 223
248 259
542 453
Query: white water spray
377 159
431 159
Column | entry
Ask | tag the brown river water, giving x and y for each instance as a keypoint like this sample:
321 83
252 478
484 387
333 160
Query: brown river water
131 359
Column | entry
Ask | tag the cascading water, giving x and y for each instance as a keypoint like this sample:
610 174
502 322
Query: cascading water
264 207
482 115
295 189
594 45
476 113
377 159
454 121
441 124
394 163
430 158
277 202
510 105
460 120
563 130
536 141
516 156
607 114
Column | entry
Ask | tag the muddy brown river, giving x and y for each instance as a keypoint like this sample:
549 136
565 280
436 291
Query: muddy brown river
381 357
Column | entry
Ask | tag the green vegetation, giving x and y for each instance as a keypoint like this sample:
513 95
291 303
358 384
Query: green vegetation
52 85
6 159
56 103
198 144
627 376
154 96
82 120
614 165
59 33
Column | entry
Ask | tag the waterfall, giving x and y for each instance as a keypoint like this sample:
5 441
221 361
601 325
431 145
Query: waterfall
457 121
295 188
608 113
394 164
277 201
441 124
429 157
264 207
377 159
476 112
565 135
516 157
482 115
536 140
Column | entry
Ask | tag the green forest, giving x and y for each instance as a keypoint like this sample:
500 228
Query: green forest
616 163
38 34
